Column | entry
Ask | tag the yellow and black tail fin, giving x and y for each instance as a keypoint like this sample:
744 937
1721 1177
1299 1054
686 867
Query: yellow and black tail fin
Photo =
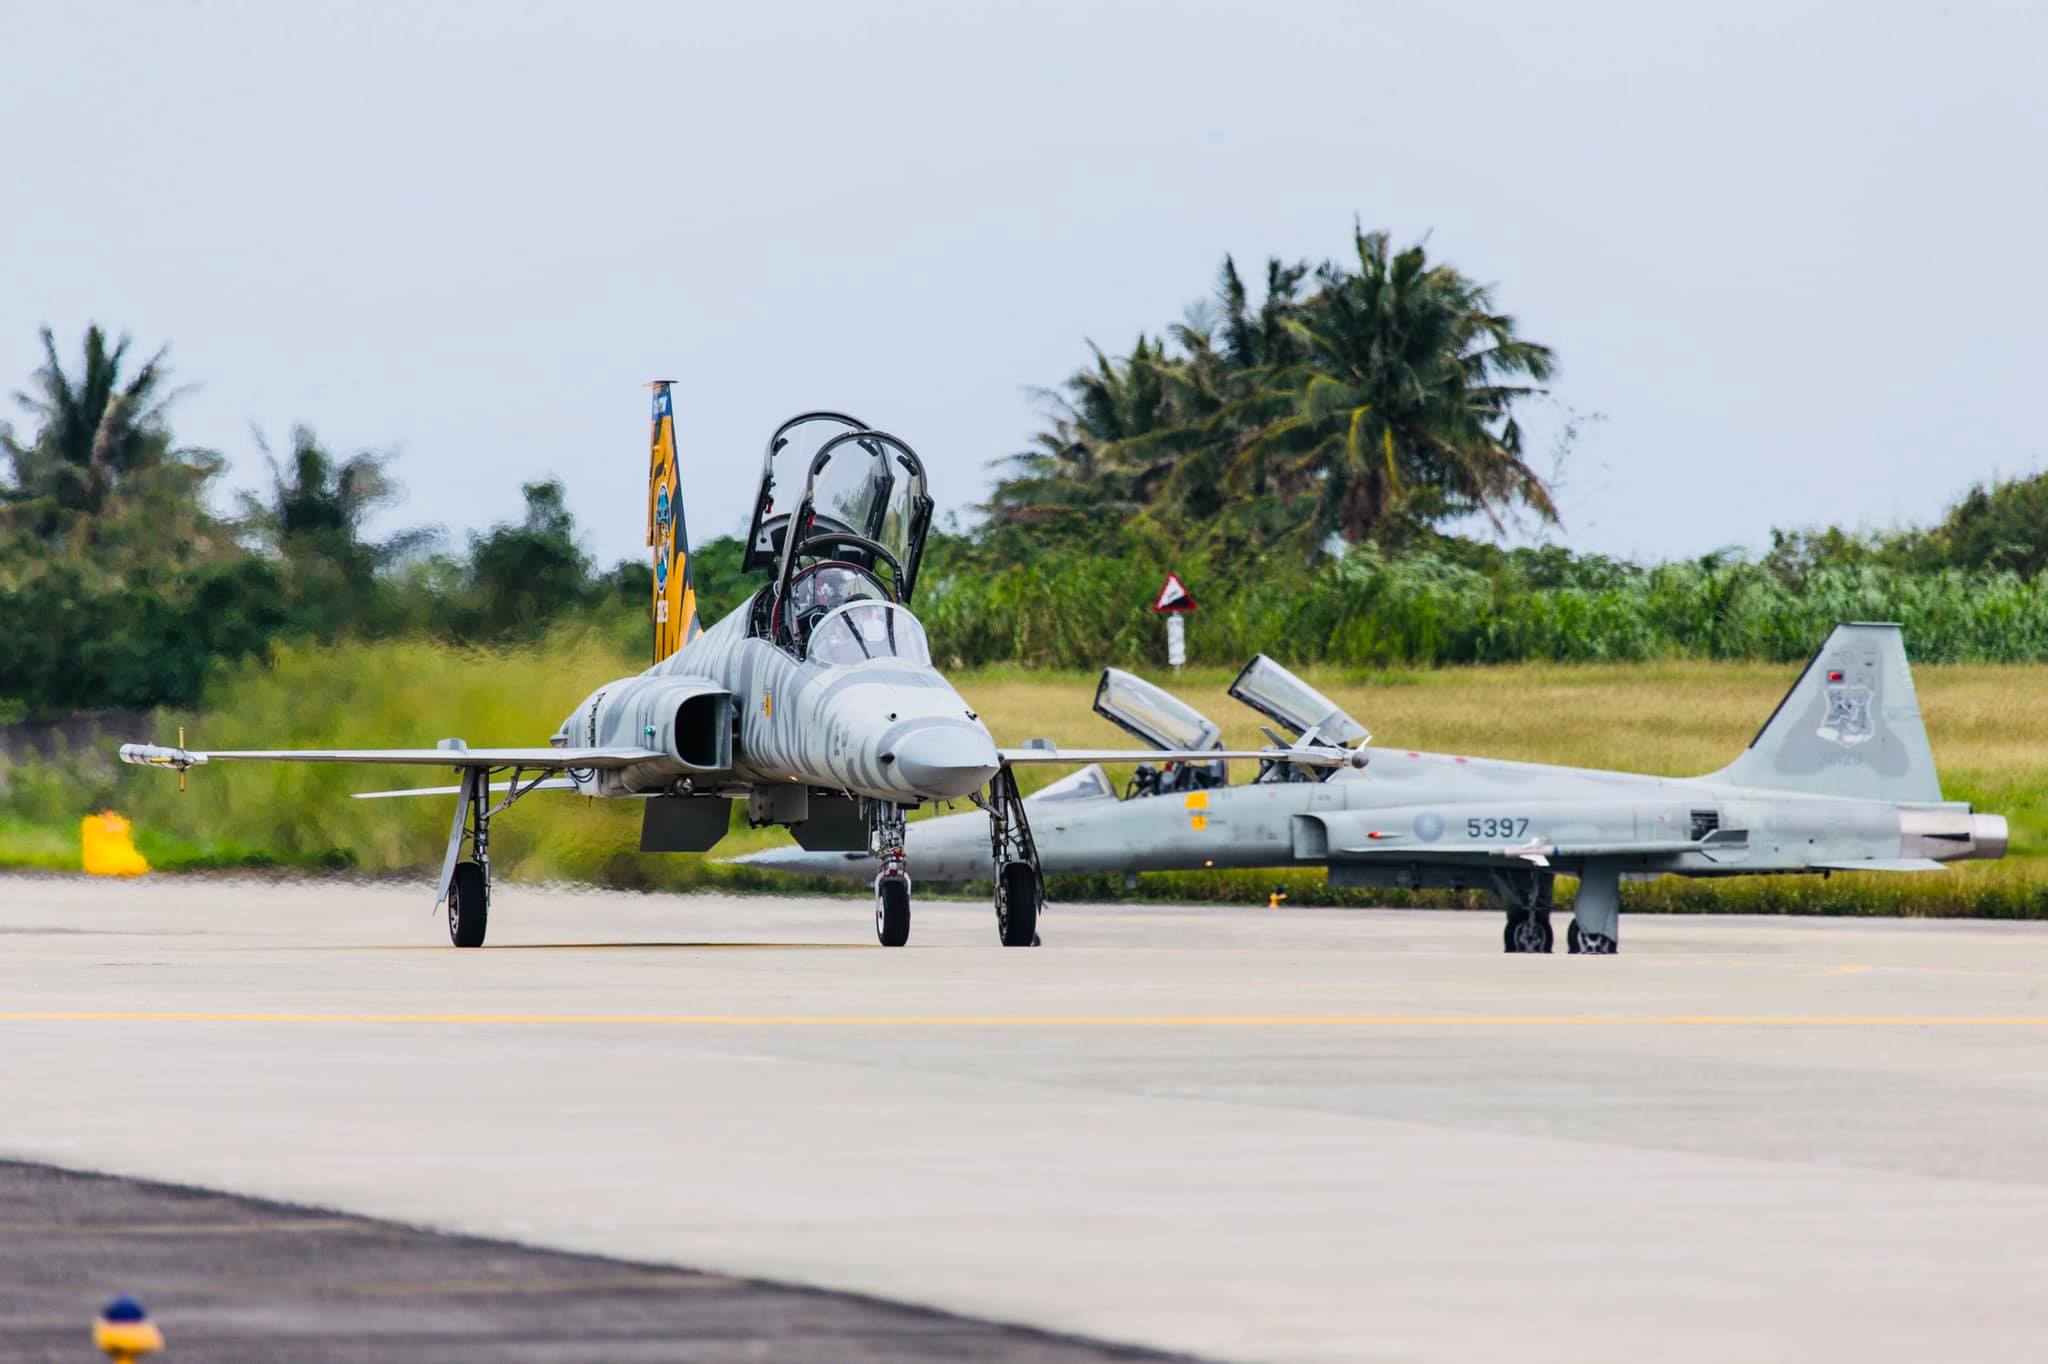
675 598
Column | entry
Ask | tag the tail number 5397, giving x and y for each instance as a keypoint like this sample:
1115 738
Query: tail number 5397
1506 826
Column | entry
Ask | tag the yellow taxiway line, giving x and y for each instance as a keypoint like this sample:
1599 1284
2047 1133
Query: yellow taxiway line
1049 1020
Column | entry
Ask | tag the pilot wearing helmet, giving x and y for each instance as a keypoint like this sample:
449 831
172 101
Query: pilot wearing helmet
832 590
818 593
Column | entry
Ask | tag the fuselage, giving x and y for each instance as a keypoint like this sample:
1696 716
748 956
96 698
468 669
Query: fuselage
1435 810
890 728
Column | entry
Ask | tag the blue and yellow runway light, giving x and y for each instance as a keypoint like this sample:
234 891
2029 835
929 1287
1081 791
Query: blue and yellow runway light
125 1332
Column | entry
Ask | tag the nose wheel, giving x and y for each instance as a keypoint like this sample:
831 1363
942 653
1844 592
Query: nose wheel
892 883
892 910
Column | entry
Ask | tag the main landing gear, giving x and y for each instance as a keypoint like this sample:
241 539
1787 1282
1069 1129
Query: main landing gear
467 884
466 881
1528 898
1596 913
1589 944
1596 919
1020 885
892 882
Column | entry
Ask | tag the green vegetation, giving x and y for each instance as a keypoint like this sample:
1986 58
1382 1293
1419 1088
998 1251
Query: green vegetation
1461 604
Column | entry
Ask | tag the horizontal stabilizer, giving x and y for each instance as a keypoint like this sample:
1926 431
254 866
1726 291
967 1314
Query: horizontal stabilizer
547 784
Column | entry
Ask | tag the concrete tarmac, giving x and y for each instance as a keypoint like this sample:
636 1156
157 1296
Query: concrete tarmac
1245 1134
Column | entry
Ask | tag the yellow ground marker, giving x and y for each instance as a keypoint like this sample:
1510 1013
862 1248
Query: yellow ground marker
107 848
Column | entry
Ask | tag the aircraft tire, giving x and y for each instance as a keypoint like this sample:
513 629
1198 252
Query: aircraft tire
892 911
1017 910
469 905
1527 932
1589 944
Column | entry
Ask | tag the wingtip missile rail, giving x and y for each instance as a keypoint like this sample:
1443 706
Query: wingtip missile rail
157 755
160 755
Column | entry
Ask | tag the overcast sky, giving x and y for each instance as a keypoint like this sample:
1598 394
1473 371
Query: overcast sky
1795 254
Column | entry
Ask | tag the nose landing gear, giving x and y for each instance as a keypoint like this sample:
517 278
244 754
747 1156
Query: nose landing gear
892 882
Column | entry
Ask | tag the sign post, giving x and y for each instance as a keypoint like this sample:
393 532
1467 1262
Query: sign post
1175 602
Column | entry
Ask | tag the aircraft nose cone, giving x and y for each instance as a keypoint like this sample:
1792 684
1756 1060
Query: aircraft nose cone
945 761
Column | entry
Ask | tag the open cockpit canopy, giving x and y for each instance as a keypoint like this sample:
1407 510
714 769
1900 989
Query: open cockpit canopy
1293 704
864 503
783 472
1157 717
841 517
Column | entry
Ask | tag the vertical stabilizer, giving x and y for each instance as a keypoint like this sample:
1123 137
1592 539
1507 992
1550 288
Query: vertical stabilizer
675 597
1849 727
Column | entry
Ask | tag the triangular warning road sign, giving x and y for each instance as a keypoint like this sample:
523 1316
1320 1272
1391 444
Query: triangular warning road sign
1174 596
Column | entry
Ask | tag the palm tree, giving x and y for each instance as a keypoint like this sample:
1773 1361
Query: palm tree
1110 402
313 516
1213 388
1400 411
95 433
1380 403
1134 430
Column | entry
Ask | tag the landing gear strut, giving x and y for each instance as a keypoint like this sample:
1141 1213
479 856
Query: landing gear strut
1020 885
892 882
466 882
467 885
1528 898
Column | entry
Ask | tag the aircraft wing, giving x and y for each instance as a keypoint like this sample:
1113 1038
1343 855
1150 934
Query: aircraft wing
156 755
1301 757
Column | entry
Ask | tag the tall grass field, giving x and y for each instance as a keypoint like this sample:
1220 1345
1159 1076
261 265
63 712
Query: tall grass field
1988 722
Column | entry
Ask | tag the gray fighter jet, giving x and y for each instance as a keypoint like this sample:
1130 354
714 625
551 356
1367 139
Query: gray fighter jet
1840 778
815 701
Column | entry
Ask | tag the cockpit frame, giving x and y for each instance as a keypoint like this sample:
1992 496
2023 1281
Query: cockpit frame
887 495
802 536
